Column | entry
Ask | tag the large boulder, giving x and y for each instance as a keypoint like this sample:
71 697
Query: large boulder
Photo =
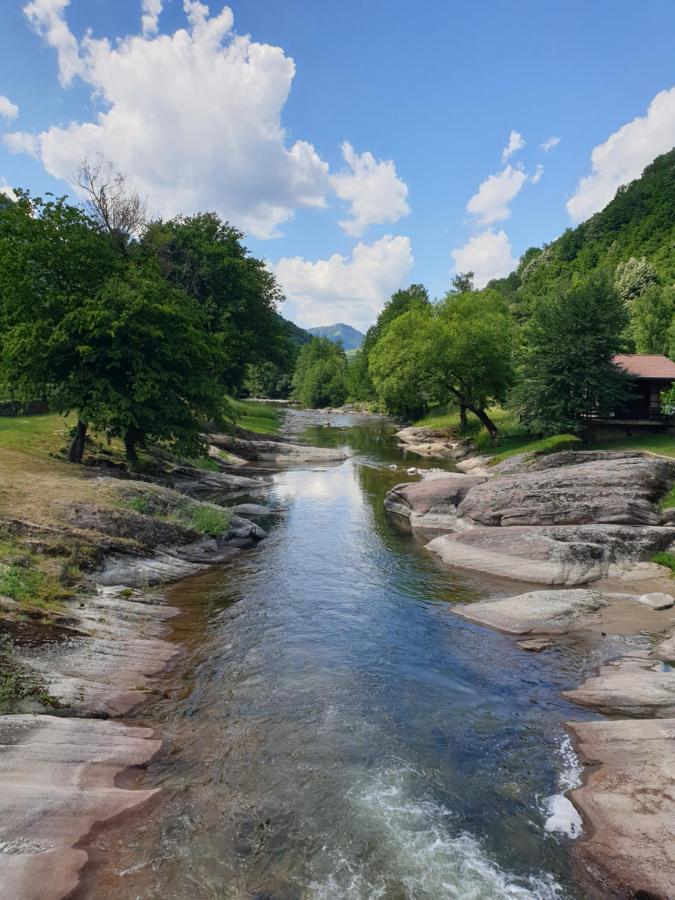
630 686
431 503
627 802
573 488
556 555
537 612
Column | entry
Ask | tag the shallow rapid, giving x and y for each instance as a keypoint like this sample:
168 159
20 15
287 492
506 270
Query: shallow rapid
334 730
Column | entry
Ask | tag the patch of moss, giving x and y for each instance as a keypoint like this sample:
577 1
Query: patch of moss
17 684
206 519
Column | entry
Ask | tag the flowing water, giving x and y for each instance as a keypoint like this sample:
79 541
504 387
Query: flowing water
333 730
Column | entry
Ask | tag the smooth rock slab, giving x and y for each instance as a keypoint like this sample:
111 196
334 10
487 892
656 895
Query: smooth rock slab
656 600
539 612
557 555
57 780
628 805
629 686
431 503
571 488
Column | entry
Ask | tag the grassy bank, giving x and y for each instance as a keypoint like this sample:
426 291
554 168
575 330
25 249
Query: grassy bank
261 418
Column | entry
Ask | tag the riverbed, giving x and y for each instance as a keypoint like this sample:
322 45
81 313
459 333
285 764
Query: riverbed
333 730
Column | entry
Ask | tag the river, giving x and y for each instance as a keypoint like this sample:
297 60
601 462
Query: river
333 730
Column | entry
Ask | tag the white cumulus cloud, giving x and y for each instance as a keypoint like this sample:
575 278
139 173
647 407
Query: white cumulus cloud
624 155
152 10
491 202
6 189
488 255
348 289
8 110
516 142
192 118
549 143
372 189
47 18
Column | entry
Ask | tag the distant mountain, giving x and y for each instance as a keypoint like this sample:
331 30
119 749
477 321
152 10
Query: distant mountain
350 337
298 336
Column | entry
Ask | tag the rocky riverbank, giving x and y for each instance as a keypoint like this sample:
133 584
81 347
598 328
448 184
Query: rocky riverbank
101 653
565 520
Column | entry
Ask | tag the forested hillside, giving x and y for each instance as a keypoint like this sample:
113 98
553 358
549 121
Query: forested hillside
349 337
638 224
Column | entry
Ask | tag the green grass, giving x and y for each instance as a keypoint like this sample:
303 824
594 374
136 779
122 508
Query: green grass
665 559
663 444
211 520
553 444
33 434
668 502
261 418
206 519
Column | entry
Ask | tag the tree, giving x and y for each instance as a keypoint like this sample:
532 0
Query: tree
320 377
462 350
111 201
99 336
206 258
651 315
566 370
462 282
633 277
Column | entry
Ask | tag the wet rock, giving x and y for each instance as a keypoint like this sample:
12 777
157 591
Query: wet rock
535 645
656 600
557 555
630 686
547 612
253 509
57 781
665 650
431 503
276 450
628 805
571 488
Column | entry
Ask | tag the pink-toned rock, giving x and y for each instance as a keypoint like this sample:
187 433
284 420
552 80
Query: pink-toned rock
431 503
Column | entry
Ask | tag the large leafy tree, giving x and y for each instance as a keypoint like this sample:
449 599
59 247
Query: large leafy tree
320 377
566 369
461 350
109 340
206 258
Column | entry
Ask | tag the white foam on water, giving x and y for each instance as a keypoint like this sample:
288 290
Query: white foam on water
418 854
561 815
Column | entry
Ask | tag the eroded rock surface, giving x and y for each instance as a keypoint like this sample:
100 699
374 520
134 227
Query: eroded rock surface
276 450
630 686
537 612
573 488
628 805
431 503
557 555
57 780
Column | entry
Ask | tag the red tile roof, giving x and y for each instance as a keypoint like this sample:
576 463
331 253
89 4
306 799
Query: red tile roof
646 366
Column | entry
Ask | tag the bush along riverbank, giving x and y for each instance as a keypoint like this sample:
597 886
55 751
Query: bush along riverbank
84 552
588 530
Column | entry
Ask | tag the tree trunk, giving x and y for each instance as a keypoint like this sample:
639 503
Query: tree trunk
462 418
76 450
480 413
130 438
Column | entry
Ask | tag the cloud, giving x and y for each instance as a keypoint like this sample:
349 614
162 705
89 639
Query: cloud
372 189
624 155
348 289
516 142
21 142
8 110
549 144
491 202
192 118
488 255
538 172
150 19
47 18
6 189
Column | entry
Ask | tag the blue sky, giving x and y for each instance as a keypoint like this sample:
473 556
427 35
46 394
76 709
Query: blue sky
427 97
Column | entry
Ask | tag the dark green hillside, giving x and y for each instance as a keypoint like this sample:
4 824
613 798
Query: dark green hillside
639 222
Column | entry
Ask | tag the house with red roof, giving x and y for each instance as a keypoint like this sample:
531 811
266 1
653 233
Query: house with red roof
651 374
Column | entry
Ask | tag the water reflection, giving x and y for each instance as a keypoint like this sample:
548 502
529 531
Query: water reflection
335 731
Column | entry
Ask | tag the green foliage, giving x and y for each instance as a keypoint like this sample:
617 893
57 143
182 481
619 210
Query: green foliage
566 370
320 377
633 277
211 520
651 320
31 586
665 559
262 418
267 380
553 444
237 293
